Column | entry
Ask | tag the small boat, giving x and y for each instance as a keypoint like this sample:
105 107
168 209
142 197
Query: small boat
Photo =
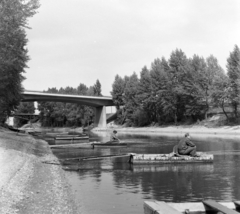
108 144
35 133
205 206
170 158
67 136
71 137
71 146
54 134
15 129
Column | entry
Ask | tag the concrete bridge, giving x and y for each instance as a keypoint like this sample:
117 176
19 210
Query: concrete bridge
99 103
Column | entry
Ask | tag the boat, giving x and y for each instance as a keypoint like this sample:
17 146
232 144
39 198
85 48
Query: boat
108 144
15 129
71 137
54 134
71 146
35 133
170 158
205 206
67 136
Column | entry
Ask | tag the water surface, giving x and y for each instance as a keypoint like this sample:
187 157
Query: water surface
112 186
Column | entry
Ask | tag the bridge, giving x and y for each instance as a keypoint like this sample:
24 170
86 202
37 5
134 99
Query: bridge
99 103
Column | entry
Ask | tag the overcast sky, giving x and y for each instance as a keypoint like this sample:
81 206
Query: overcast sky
80 41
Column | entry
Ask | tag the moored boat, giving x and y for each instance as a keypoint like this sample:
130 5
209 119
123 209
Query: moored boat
170 158
69 146
108 144
71 137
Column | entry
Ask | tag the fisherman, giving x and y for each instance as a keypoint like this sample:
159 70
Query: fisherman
186 146
114 138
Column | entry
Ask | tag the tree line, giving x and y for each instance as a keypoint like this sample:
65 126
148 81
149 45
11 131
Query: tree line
14 15
178 89
170 91
58 114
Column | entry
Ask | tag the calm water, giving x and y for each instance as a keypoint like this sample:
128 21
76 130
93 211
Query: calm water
112 186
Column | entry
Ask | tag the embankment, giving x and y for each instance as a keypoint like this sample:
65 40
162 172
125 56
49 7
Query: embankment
177 130
32 181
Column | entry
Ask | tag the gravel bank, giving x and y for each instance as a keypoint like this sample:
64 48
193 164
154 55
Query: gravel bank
32 181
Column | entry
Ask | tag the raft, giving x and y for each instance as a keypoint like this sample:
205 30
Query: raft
170 158
108 144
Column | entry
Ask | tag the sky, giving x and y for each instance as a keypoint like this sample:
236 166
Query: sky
80 41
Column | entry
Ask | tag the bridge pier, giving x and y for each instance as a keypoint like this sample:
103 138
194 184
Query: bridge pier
100 117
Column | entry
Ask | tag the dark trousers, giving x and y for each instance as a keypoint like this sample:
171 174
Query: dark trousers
189 151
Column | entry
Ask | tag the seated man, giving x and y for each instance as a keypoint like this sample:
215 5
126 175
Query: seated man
186 146
114 138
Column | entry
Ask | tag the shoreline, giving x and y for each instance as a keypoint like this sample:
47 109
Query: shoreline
32 179
176 130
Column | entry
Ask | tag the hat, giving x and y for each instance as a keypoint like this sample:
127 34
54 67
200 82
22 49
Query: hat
114 131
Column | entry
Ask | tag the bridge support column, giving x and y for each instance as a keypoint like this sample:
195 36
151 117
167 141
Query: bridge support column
100 117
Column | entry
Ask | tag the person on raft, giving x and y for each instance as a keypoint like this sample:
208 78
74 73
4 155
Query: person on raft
186 146
114 138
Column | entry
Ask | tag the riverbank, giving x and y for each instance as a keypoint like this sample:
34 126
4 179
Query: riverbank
32 181
177 130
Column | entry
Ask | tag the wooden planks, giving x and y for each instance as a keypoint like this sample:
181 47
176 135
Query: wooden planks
158 207
170 158
96 157
212 205
206 206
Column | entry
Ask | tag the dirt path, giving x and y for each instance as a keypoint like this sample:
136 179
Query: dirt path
31 181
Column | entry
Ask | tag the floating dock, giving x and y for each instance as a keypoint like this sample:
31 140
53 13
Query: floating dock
170 158
206 206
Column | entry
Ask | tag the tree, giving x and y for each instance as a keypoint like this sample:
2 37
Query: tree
143 116
118 87
130 98
97 89
23 108
159 80
220 93
82 89
174 103
13 51
233 68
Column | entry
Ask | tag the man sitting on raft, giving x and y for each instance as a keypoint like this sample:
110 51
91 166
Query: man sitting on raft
186 146
114 138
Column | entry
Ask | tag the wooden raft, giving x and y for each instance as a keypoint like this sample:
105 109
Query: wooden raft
207 206
170 158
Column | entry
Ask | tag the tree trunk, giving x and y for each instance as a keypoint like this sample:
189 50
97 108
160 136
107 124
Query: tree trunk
175 118
225 113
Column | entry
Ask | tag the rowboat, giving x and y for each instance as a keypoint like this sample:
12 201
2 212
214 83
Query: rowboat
108 144
170 158
71 137
205 206
71 146
54 134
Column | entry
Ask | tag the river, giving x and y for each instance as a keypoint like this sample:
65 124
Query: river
112 186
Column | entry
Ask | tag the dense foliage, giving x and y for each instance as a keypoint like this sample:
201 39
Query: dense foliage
178 90
13 51
22 109
58 114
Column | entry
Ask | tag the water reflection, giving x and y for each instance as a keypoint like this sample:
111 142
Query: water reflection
114 186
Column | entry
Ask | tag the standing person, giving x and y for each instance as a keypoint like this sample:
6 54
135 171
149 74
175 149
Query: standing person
114 137
186 146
